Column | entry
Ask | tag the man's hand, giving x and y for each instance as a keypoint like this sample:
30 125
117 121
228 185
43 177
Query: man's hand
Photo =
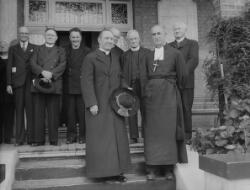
9 89
47 74
93 109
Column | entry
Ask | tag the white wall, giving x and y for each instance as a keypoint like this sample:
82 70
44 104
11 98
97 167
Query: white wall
171 11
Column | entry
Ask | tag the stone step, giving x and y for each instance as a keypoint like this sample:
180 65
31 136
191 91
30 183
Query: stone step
63 150
63 168
135 182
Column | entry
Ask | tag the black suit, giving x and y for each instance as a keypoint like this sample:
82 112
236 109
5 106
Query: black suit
53 60
6 106
72 89
19 77
190 51
135 77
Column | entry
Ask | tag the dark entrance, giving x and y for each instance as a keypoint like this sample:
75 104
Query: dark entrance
88 38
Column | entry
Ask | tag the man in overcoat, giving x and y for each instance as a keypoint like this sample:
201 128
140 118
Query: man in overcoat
164 130
107 150
48 64
190 51
134 76
75 54
18 84
6 100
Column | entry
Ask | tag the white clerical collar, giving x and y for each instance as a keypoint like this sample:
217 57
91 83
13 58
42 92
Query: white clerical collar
180 40
105 51
135 49
159 53
25 44
49 45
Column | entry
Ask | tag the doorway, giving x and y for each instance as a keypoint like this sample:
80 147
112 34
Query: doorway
89 39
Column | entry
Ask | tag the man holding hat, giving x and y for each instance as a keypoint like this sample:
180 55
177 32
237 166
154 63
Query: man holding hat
135 75
47 64
107 149
18 84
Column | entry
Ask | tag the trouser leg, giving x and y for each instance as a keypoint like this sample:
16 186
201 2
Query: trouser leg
39 118
53 109
19 107
81 115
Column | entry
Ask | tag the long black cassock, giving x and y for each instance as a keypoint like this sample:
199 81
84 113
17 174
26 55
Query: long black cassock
107 149
163 110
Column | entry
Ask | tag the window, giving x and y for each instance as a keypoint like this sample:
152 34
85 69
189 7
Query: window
90 15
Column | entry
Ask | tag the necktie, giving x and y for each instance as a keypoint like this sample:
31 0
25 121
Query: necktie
23 47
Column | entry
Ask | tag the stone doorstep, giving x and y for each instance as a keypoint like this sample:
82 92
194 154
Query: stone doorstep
63 150
54 168
134 181
229 166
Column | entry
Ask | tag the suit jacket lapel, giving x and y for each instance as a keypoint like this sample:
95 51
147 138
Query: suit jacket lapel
100 57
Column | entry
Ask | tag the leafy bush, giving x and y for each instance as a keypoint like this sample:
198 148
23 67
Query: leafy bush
232 44
233 136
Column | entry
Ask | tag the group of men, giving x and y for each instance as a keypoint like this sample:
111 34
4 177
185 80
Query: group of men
163 80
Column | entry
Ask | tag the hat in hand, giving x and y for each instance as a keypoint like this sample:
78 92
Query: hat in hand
124 102
44 86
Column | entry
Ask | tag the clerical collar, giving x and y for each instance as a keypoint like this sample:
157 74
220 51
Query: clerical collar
180 40
135 49
49 45
105 51
159 54
24 44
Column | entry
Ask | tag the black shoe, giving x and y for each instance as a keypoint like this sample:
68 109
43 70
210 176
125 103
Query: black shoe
71 140
54 143
19 144
169 176
151 176
133 140
37 144
116 179
82 140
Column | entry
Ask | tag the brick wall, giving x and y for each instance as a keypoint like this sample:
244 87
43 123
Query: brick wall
145 16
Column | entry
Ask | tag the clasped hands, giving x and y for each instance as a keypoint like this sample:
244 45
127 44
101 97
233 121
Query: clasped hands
47 76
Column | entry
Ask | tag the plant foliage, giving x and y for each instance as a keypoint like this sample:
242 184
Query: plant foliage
232 55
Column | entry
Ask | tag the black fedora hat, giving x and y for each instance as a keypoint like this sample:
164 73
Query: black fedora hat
44 87
124 102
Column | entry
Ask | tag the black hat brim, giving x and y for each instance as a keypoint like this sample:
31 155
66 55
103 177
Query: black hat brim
129 112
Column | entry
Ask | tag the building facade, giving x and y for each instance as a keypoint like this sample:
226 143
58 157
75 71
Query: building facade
93 15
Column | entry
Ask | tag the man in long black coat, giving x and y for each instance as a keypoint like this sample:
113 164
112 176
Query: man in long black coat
107 150
48 63
190 51
134 76
75 54
18 83
164 129
6 100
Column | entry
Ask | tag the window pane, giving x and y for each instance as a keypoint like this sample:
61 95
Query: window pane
37 11
78 13
119 13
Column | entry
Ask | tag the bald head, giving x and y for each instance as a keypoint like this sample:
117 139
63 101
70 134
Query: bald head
179 30
158 35
116 33
23 33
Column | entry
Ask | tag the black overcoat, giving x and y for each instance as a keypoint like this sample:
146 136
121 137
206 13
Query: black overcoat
107 149
53 60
